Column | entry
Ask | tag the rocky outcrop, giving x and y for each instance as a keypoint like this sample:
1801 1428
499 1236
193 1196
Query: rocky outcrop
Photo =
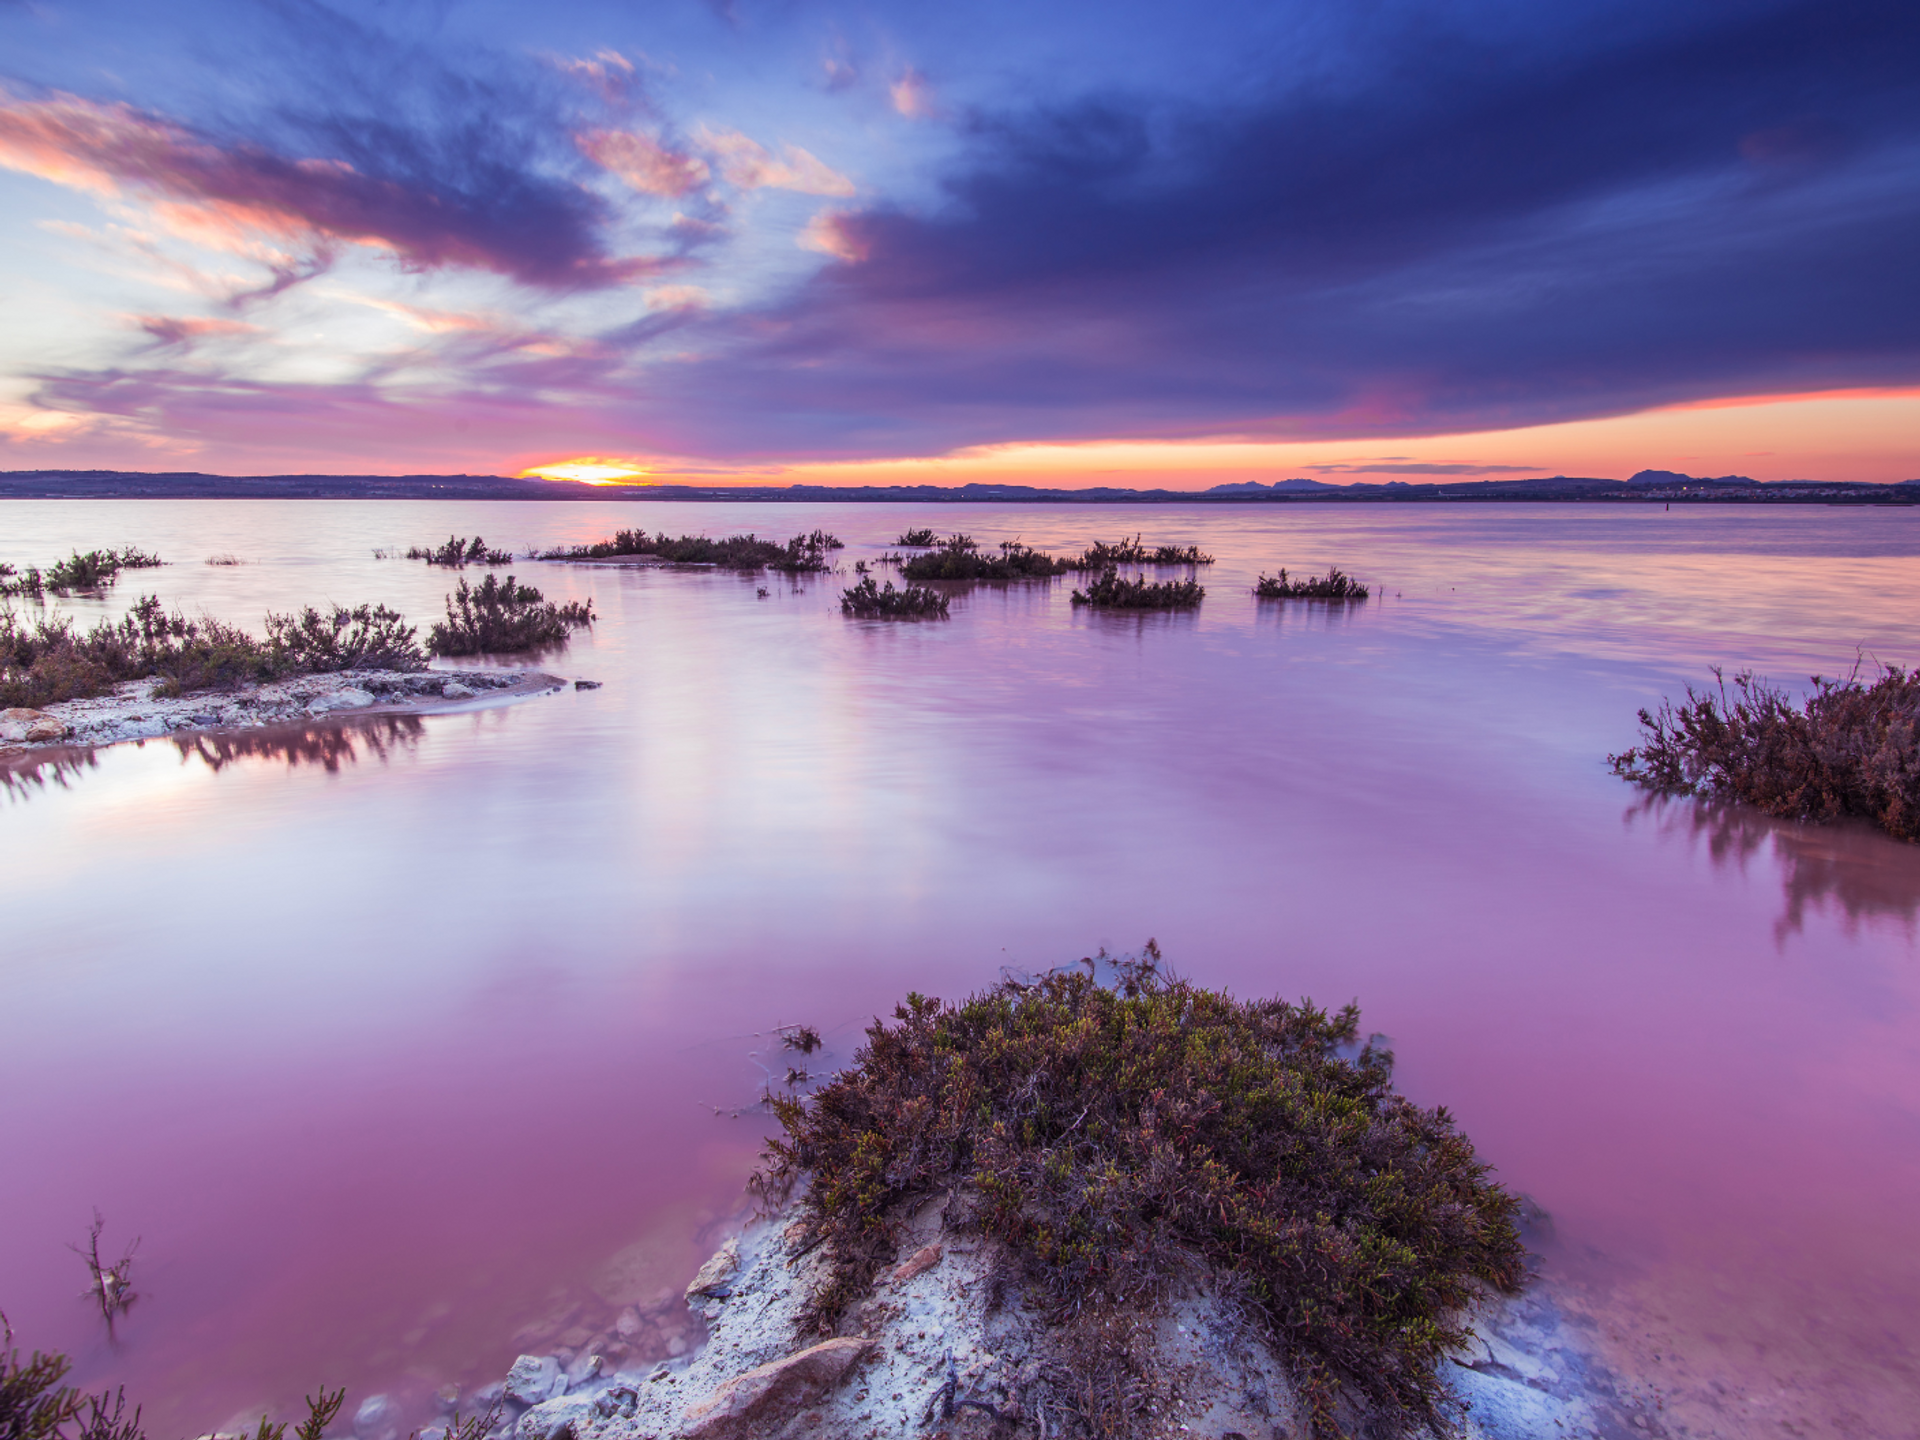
133 711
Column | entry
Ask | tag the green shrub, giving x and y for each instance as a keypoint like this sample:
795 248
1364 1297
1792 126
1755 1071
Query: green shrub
1102 556
1335 585
369 637
1850 749
958 558
1105 1134
494 618
870 601
917 539
737 552
459 552
30 583
1110 592
96 569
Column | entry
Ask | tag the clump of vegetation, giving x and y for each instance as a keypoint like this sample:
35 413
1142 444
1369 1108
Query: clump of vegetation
493 618
803 1038
459 552
959 558
93 570
871 601
917 539
1849 749
111 1284
45 661
35 1405
736 552
1111 1135
1110 592
1334 585
226 558
1102 556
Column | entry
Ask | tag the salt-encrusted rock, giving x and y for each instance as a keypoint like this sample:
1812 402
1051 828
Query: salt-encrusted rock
712 1281
20 723
533 1379
351 698
454 690
771 1399
555 1419
378 1418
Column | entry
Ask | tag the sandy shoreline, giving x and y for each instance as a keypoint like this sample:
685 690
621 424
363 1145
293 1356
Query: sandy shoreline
131 711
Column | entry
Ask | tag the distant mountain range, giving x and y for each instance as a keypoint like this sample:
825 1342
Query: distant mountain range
1649 485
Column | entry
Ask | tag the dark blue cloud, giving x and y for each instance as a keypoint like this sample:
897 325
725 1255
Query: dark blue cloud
1640 207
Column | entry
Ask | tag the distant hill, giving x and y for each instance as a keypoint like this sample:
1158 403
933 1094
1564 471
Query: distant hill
1649 485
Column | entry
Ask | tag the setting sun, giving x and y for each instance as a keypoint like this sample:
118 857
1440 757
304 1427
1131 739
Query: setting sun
591 469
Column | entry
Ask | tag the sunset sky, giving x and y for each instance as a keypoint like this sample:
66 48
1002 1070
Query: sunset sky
1069 244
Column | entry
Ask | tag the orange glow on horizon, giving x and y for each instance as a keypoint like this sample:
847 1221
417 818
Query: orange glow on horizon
589 470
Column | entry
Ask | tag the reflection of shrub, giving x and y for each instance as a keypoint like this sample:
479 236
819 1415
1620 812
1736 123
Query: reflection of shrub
876 602
368 637
958 558
1102 555
916 539
736 552
493 618
1334 585
460 552
1110 592
1107 1135
1850 749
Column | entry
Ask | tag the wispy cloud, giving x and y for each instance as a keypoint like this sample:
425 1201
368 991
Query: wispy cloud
747 164
643 162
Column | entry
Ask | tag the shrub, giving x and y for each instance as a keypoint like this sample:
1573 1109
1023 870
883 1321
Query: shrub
30 583
877 602
1110 592
1335 585
1849 749
459 552
1102 556
494 618
917 539
1108 1134
958 558
366 637
96 569
736 552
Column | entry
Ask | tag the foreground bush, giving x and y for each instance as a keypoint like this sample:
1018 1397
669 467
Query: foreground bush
1850 749
1334 585
1112 593
494 618
1110 1135
958 558
46 661
461 552
870 601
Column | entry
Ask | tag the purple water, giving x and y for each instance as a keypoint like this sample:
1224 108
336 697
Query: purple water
408 1046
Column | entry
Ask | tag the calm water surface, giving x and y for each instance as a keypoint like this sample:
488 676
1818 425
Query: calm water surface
404 1046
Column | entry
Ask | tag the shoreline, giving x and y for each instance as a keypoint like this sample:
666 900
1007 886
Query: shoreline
132 712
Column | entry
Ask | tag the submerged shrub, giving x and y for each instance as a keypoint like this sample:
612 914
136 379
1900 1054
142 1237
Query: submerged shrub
1108 1135
735 552
958 558
872 601
1334 585
30 582
1102 556
96 569
493 618
460 552
916 539
1111 592
1850 749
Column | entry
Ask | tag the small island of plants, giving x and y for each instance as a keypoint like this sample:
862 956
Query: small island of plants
92 571
498 617
869 601
1110 592
1334 585
1851 748
803 554
1113 1137
960 557
459 552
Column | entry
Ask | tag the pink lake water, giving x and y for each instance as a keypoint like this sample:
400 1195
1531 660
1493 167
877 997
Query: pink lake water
403 1047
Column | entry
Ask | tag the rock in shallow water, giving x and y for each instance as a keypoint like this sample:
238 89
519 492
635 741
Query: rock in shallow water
533 1379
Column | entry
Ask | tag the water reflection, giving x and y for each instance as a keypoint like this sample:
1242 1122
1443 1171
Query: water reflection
328 746
1868 877
25 773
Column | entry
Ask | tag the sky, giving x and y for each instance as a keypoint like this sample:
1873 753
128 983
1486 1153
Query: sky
1071 244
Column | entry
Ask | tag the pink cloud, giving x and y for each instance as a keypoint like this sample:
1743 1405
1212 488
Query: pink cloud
747 164
185 329
912 96
232 197
643 162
